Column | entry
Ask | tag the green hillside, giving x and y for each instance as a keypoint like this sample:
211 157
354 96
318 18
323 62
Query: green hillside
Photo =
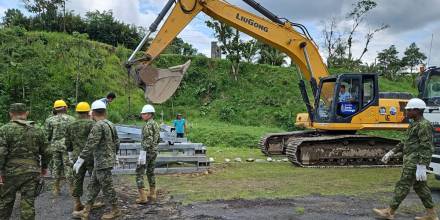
39 67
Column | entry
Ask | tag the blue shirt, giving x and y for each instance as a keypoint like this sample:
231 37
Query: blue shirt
179 125
344 97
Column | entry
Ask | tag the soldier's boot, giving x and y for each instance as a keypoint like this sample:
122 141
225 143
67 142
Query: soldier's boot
98 205
430 215
56 187
142 197
385 213
77 205
152 195
83 214
114 213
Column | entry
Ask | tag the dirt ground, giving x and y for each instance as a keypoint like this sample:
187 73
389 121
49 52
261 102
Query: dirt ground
301 208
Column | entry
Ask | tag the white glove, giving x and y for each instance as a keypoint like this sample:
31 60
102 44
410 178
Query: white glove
142 158
70 154
78 164
387 156
421 173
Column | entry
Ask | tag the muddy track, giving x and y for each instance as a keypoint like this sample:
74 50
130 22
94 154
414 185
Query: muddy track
313 207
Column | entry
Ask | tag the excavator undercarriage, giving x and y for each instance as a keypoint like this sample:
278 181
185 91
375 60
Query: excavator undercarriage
319 149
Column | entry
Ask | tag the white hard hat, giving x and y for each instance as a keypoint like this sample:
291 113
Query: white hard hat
98 104
415 103
147 109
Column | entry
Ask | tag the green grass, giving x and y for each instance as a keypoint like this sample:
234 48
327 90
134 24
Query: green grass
275 180
300 210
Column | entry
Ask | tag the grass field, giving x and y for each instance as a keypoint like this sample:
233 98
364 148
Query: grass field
274 180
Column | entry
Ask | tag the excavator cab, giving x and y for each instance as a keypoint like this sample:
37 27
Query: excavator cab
342 97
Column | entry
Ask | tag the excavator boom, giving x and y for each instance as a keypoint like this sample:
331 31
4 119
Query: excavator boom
281 35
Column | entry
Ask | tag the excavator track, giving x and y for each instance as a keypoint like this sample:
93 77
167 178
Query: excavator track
276 143
341 151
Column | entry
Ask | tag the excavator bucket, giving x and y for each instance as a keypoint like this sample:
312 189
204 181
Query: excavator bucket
160 84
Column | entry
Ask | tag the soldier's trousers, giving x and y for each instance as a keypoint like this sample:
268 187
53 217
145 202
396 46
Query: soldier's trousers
62 167
78 179
101 180
26 185
149 168
403 186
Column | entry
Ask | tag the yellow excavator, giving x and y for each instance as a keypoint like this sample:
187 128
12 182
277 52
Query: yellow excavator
342 104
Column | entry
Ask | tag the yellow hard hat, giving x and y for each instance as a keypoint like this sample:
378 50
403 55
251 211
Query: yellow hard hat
59 104
82 107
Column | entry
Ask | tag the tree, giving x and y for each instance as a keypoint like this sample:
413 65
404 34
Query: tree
357 15
14 17
388 62
178 46
333 39
250 49
230 43
103 27
330 43
413 56
271 56
47 12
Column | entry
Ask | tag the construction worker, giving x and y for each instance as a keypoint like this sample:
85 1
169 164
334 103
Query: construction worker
76 137
109 98
147 156
24 157
55 127
417 148
180 124
102 143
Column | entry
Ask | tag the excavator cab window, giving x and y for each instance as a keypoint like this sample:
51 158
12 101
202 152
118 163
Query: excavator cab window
368 90
433 87
327 90
348 98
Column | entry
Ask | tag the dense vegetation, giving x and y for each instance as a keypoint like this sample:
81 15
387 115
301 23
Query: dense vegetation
39 67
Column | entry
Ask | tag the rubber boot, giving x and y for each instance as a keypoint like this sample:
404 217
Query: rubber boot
152 195
114 213
83 214
385 213
77 206
142 197
430 215
56 187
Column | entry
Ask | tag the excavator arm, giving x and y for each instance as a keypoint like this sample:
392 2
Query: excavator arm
272 31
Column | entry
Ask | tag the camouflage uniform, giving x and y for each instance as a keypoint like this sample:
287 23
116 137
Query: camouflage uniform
417 148
102 144
150 140
76 137
55 127
21 145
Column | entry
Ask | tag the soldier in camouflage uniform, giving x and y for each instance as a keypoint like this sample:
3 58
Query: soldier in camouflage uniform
76 137
417 148
102 144
21 147
55 127
147 157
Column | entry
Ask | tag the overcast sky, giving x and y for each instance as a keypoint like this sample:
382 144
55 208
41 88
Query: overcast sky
409 20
